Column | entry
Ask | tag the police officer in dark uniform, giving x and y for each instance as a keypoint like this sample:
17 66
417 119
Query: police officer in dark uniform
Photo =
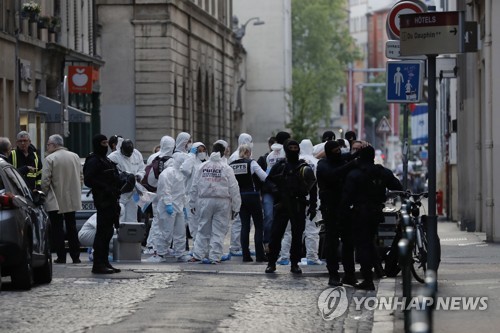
363 198
331 172
293 180
101 175
249 176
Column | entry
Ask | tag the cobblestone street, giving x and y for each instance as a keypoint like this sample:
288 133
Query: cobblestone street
170 297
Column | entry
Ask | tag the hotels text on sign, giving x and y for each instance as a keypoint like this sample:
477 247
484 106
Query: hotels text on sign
431 33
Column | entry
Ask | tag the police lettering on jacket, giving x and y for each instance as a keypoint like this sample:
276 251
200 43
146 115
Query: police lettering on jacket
211 174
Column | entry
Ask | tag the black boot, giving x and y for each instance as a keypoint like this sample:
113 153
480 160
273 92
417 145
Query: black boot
334 280
365 285
295 269
271 268
349 279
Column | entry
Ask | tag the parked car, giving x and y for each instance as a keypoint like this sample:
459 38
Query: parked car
24 231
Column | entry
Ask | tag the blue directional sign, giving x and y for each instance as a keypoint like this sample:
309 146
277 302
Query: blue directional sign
404 81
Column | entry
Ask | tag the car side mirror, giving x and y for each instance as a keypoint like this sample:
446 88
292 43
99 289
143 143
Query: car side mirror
38 197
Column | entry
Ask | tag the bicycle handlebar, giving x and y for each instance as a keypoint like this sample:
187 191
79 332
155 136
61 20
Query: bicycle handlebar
407 194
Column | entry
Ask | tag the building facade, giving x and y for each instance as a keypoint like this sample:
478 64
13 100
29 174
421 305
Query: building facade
37 48
265 76
169 68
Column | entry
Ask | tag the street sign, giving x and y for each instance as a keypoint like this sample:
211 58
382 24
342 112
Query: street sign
432 33
383 126
471 34
402 7
404 81
392 51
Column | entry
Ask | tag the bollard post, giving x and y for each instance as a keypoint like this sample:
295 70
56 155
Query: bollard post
419 315
404 262
431 285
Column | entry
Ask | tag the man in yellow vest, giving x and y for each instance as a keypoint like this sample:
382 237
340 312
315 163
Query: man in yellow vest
26 160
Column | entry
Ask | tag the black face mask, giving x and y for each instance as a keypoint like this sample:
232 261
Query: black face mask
292 156
96 144
334 156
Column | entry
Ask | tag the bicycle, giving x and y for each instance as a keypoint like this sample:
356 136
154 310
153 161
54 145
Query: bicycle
410 210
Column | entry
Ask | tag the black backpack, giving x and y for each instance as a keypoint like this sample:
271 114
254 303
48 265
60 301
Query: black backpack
153 170
376 184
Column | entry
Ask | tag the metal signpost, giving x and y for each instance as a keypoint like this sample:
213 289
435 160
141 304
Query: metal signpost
431 34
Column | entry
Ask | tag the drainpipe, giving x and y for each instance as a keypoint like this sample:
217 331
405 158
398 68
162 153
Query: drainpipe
488 137
17 11
476 104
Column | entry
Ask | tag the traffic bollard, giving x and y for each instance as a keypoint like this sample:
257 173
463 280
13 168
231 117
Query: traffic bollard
404 263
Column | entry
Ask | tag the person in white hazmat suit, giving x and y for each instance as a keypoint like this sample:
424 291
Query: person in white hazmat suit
227 152
235 244
130 160
167 145
170 209
183 142
311 231
197 155
215 196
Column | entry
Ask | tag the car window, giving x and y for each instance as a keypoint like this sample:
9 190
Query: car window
18 183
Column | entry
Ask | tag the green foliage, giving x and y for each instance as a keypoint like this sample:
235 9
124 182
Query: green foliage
321 50
374 99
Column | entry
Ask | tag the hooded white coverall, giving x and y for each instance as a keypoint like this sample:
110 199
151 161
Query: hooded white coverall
183 142
214 194
172 191
134 165
235 245
188 169
167 145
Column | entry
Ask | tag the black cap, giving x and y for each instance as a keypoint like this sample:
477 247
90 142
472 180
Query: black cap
281 137
328 136
350 135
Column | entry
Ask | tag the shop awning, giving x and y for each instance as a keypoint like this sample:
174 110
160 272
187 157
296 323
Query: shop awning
52 108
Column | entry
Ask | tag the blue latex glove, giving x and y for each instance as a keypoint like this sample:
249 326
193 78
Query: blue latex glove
169 209
193 150
185 213
135 197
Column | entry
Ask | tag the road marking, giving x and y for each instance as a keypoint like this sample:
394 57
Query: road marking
474 243
454 239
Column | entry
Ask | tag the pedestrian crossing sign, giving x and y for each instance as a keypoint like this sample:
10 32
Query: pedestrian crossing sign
404 81
383 126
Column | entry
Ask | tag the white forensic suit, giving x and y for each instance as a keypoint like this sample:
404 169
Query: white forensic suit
235 244
188 169
171 195
134 165
183 142
214 195
167 145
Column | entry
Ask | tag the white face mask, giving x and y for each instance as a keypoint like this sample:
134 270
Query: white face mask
344 150
202 156
250 144
188 147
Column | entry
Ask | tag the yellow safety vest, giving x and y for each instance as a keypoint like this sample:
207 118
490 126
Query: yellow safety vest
30 174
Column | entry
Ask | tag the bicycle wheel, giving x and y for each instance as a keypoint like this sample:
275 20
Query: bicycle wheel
419 258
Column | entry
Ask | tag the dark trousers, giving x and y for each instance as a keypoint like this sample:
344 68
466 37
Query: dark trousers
336 230
251 207
295 212
56 222
365 225
107 217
